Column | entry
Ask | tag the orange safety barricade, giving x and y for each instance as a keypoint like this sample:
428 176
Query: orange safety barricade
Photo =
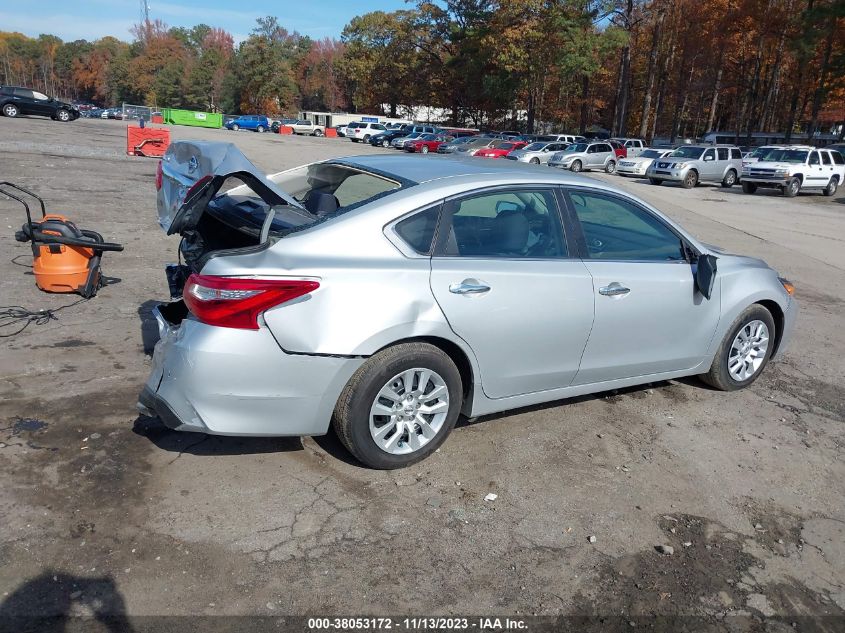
331 132
158 118
147 141
285 129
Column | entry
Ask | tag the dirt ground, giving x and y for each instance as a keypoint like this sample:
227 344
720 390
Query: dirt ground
105 511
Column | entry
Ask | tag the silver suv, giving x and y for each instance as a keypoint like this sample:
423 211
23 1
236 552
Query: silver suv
586 156
692 164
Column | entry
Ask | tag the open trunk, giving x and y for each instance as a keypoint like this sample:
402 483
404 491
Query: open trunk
247 216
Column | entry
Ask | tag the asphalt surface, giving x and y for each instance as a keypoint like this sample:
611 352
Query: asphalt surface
103 511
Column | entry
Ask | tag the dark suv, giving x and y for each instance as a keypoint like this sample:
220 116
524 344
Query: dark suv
15 101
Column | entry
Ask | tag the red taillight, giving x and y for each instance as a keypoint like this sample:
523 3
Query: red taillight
236 302
158 176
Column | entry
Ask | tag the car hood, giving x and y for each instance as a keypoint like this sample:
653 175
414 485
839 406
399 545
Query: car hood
192 172
774 165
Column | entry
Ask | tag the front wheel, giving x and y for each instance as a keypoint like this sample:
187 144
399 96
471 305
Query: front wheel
260 129
830 190
534 161
576 166
610 167
235 127
63 115
11 110
690 180
744 351
792 188
424 149
399 406
655 181
385 143
730 179
749 187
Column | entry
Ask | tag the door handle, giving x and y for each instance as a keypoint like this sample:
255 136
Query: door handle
614 290
466 288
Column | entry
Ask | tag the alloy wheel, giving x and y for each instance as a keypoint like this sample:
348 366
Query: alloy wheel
409 411
748 350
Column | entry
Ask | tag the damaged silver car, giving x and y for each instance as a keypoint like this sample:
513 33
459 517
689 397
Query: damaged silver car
385 297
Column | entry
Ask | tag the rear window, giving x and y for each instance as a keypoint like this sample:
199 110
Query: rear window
351 186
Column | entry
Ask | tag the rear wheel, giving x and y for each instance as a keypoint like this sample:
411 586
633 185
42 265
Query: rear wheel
749 187
690 180
366 138
610 167
655 181
577 165
399 406
744 351
730 179
318 132
11 110
792 188
830 190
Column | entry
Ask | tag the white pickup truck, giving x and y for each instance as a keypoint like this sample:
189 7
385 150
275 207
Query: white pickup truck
796 168
304 126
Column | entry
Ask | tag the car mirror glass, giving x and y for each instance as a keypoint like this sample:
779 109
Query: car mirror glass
705 274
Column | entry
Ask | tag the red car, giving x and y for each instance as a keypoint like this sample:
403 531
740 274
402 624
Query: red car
619 149
500 149
427 143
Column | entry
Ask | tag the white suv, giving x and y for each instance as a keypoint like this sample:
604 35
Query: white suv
796 168
363 130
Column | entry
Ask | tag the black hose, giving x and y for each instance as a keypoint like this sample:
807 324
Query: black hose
47 238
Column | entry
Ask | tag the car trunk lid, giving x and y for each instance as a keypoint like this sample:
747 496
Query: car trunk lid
191 174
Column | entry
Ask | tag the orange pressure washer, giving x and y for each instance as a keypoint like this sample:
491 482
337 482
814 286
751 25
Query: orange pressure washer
65 257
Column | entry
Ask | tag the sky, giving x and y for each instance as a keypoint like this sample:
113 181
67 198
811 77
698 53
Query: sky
92 19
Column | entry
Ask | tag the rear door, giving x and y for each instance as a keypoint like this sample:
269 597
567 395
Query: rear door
503 275
26 101
815 176
649 317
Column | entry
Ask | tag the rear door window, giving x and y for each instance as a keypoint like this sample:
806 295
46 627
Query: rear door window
723 153
825 158
506 223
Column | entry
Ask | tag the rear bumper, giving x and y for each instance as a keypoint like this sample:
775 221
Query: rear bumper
225 381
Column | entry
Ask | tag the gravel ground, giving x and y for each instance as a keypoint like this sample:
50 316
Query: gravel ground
106 512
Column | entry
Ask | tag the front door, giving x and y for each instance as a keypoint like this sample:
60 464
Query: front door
649 316
503 275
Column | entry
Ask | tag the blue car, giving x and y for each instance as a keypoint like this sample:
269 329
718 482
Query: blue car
254 122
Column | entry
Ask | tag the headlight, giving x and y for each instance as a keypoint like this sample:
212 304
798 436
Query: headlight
680 165
782 173
746 170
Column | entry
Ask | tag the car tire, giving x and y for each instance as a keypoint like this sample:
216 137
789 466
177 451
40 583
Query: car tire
385 143
749 187
235 127
690 180
366 138
62 115
318 132
728 355
424 149
610 167
830 190
260 129
534 161
11 110
730 179
655 181
576 166
792 187
357 426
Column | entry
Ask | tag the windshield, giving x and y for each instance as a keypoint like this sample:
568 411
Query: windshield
687 152
502 145
534 147
576 147
786 156
428 137
650 153
761 152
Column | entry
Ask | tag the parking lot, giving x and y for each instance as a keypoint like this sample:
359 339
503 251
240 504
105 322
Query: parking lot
107 511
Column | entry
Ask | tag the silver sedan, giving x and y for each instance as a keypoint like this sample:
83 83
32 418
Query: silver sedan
384 297
537 153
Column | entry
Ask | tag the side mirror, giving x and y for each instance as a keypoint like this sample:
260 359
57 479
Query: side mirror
706 158
705 274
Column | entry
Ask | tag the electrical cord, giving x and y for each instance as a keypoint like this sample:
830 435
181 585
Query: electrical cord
10 316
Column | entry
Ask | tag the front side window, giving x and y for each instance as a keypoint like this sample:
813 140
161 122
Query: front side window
615 229
814 158
710 154
520 223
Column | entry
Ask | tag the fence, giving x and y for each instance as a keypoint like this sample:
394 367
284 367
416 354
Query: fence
137 112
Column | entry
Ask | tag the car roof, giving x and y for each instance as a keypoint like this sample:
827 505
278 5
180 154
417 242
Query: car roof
422 169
